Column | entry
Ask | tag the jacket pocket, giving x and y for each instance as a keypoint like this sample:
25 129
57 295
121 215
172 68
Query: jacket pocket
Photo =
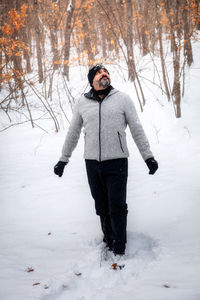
85 139
120 141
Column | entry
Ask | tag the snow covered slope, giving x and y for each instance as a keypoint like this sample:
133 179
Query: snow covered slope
50 240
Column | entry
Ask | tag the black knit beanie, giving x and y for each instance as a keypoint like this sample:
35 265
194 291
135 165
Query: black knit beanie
92 72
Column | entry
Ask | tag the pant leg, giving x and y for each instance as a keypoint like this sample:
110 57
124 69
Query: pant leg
116 173
107 229
99 193
97 186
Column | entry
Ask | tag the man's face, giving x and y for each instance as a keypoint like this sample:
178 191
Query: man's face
101 80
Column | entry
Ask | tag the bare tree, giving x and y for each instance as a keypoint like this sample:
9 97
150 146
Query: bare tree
38 38
67 36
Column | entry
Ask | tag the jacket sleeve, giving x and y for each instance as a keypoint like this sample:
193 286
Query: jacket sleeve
73 135
136 129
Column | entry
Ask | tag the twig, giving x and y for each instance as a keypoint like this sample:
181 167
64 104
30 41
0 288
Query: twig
61 105
49 109
29 111
160 87
66 85
20 123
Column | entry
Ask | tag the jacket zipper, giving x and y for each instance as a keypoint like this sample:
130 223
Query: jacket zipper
100 126
119 136
99 131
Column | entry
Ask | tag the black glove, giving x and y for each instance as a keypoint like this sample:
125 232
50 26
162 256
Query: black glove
59 168
152 165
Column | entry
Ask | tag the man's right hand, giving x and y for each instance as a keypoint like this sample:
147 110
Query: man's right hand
59 168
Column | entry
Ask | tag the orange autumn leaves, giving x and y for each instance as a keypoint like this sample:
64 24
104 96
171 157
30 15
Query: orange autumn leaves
16 20
10 45
95 25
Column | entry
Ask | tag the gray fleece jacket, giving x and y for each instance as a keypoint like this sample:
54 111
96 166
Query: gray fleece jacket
104 124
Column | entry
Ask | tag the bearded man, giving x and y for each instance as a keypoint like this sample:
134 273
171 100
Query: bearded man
104 113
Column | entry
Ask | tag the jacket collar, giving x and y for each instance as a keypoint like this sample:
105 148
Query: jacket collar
91 95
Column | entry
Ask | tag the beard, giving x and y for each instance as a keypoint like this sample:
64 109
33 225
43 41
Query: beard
104 82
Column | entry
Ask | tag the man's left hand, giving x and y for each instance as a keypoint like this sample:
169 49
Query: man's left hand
152 165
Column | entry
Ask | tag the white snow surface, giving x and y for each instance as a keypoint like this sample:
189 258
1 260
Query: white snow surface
49 223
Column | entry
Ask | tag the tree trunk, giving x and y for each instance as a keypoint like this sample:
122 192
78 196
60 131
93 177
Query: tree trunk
144 11
26 53
175 42
129 41
87 36
187 36
161 52
67 37
38 38
54 47
177 85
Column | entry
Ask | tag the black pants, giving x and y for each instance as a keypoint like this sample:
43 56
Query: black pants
108 181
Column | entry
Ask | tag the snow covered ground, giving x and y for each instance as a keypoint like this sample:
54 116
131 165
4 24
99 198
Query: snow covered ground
50 238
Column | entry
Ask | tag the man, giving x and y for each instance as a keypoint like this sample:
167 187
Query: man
105 112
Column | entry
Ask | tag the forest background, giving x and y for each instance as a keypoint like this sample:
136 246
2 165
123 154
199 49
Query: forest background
41 39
